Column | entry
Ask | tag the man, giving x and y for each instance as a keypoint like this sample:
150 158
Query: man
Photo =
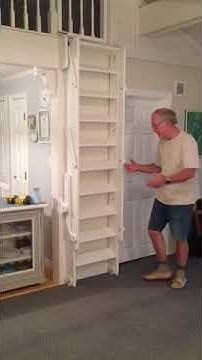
175 181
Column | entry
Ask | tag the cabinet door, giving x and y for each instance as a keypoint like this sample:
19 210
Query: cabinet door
21 244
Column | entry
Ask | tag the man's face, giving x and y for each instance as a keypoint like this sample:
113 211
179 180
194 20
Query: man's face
160 127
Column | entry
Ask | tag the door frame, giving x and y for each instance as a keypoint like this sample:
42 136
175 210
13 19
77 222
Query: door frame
26 165
153 95
4 99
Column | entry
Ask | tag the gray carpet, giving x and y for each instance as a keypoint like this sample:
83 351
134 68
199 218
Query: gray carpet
107 318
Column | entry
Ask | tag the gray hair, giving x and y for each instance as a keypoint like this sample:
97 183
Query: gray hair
166 115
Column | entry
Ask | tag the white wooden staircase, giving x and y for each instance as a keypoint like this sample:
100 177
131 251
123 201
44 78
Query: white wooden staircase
94 174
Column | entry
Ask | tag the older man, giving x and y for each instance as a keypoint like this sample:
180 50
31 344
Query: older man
175 178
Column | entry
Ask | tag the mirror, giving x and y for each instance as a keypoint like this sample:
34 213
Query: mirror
25 131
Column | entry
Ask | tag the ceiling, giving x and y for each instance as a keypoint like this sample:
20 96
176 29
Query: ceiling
195 32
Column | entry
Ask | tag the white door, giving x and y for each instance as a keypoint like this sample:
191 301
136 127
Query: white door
4 143
140 145
19 144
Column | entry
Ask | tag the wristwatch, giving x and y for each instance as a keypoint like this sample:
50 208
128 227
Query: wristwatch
168 180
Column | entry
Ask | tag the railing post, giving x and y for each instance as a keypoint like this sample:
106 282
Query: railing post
53 18
12 14
26 19
81 18
38 16
92 18
70 25
60 15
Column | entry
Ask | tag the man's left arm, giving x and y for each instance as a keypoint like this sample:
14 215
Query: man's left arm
181 176
190 166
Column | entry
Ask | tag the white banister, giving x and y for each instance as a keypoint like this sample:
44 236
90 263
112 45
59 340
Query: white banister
53 18
93 18
12 14
70 17
60 15
103 20
81 18
26 19
38 16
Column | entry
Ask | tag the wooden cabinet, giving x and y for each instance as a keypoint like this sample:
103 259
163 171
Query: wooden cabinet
21 246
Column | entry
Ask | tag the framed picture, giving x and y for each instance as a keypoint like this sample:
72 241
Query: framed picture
44 126
193 125
31 122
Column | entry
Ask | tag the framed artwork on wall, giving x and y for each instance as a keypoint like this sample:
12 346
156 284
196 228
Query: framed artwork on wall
44 126
193 125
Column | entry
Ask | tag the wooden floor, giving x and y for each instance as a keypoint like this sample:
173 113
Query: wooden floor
49 283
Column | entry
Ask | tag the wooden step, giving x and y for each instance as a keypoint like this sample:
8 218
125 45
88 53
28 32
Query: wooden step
97 95
98 70
92 165
93 257
100 47
98 144
97 121
98 234
96 213
97 189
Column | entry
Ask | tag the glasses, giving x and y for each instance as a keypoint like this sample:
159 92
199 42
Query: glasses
158 126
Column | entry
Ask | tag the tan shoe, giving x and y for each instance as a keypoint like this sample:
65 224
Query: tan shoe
179 280
158 275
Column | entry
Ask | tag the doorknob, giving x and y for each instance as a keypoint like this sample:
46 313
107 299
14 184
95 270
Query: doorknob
15 177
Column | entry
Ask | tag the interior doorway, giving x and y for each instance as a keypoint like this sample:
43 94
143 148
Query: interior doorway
140 145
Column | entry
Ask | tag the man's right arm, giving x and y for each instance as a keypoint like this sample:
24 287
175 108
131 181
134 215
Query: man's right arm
147 168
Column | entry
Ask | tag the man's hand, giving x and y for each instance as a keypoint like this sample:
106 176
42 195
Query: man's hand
157 181
132 166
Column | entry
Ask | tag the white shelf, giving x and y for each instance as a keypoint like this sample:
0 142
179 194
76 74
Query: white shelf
98 234
96 213
18 208
89 145
94 257
98 121
91 165
97 95
15 259
98 70
97 189
15 235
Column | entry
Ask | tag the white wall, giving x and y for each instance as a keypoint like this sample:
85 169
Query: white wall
149 75
154 63
172 48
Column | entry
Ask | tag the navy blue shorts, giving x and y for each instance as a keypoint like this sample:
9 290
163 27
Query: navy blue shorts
178 217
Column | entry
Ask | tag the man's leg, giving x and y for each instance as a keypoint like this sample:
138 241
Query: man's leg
182 253
157 223
159 245
180 225
163 271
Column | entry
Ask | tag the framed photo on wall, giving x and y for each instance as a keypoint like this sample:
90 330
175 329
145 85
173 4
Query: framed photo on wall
44 126
193 125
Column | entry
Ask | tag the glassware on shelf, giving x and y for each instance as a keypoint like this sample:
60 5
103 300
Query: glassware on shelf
36 195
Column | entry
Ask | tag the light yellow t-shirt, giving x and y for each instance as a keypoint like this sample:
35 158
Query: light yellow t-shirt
173 156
